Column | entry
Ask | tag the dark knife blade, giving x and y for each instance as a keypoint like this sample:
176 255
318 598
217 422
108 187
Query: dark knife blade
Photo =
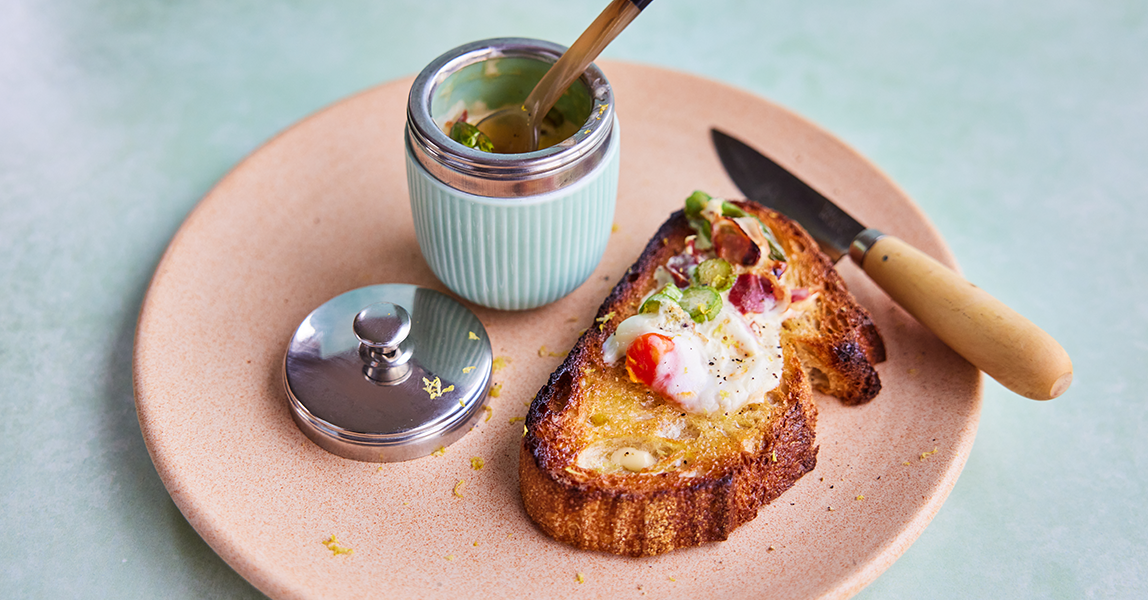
768 183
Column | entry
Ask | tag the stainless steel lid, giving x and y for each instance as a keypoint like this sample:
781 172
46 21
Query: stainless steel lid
387 373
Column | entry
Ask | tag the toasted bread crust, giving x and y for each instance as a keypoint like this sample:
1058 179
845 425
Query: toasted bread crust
642 514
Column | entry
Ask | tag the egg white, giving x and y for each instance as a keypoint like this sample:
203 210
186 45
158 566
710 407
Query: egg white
717 365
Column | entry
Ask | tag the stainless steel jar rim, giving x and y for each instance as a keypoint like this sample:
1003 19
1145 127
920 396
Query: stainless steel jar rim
505 175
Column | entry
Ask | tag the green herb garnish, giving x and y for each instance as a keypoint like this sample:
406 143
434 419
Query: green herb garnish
468 135
775 251
704 232
716 273
731 210
696 203
701 302
669 294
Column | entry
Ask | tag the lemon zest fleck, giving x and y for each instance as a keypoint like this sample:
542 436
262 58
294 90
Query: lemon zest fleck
469 369
458 488
471 335
477 463
489 413
500 363
925 455
434 388
332 544
496 390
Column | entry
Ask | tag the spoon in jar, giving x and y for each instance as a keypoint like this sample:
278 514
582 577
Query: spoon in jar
514 130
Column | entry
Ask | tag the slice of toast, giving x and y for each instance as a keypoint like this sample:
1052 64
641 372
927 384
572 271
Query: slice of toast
699 475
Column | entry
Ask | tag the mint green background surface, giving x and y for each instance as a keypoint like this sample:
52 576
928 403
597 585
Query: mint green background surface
1021 128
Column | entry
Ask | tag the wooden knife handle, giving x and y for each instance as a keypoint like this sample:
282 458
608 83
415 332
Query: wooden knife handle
991 336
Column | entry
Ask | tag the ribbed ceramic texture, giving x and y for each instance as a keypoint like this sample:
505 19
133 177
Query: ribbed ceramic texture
514 253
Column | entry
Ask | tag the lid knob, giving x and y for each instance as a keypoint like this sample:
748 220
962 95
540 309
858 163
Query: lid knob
381 329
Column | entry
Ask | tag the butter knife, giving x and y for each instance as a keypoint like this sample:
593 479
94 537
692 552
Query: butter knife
986 332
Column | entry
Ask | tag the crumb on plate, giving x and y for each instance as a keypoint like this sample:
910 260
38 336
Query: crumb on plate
332 544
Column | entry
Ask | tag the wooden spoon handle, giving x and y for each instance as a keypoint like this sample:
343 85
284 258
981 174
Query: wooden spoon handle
991 336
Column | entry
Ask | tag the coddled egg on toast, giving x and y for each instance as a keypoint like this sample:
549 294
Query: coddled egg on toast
720 364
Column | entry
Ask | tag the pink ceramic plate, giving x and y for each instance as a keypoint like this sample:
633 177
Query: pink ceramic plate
323 209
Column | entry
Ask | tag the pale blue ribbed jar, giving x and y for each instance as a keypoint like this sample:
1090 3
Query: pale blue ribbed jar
510 231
